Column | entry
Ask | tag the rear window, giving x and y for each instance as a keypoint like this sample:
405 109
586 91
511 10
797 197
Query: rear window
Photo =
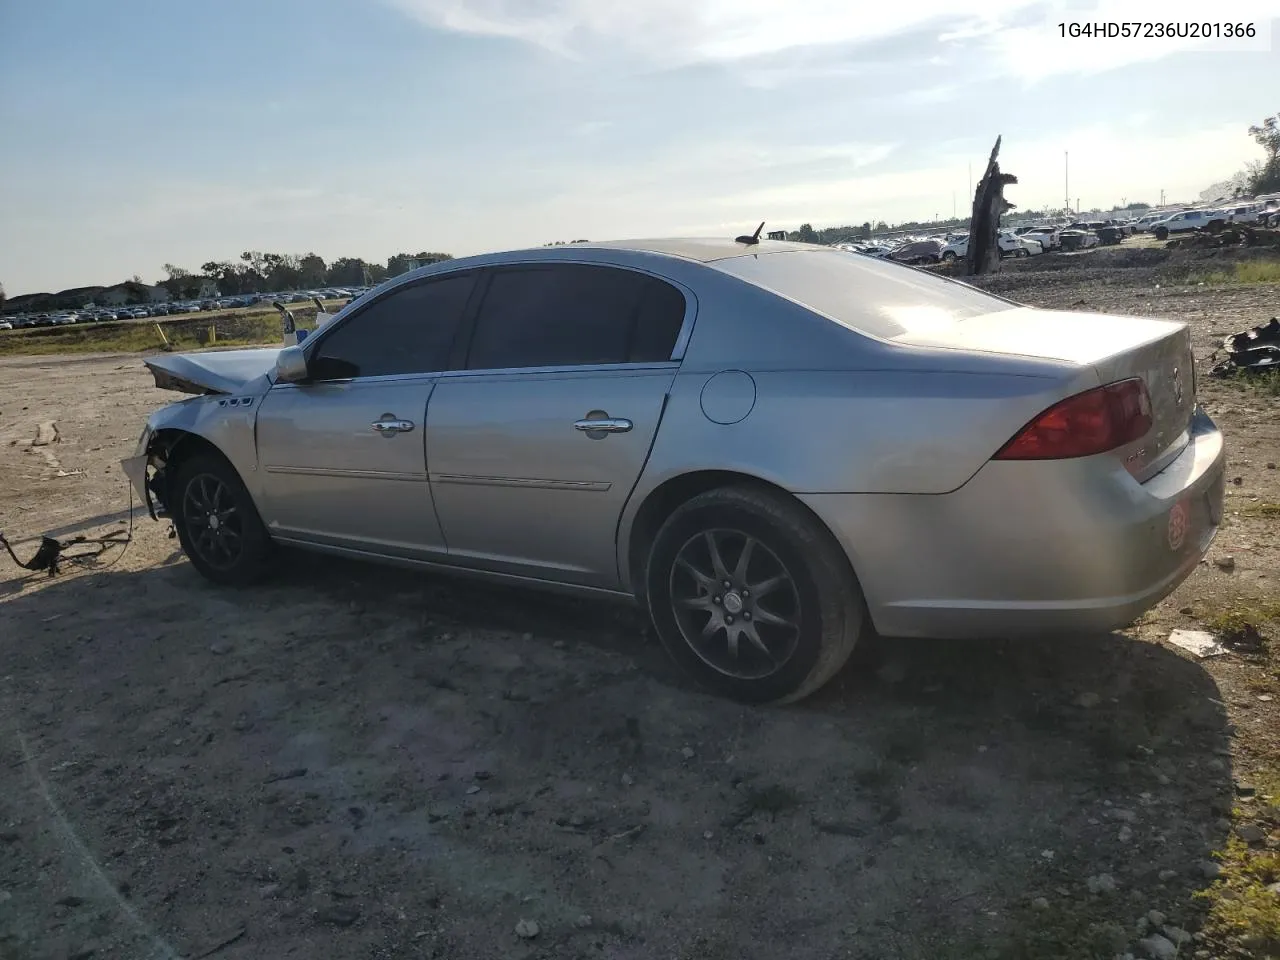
870 296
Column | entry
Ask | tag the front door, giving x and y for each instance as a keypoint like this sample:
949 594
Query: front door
342 457
537 445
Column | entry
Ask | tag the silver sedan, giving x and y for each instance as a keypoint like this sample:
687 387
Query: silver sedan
771 446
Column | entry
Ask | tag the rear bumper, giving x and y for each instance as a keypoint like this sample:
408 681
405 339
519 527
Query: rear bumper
1033 548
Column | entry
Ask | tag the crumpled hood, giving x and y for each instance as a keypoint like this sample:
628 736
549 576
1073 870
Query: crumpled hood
217 371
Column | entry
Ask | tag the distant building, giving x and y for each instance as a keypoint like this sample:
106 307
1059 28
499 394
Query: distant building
777 234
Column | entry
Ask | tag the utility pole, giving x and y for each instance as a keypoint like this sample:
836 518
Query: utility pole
1162 196
1066 181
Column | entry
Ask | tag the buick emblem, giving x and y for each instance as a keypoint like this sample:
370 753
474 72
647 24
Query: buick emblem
1177 386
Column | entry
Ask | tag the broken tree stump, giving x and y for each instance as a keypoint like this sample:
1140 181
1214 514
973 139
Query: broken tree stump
989 205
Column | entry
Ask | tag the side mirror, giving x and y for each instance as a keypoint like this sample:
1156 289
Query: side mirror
291 365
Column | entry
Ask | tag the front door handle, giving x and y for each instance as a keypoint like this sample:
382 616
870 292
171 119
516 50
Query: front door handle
388 425
604 425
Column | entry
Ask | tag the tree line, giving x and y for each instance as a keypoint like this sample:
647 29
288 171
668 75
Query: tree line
258 272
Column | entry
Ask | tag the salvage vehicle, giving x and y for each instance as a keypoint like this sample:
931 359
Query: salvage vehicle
773 447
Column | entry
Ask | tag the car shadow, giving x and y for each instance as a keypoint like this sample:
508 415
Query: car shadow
967 783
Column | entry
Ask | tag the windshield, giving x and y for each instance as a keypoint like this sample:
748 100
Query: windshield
882 299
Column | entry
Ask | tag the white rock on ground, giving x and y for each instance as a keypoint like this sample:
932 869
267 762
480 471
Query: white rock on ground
527 929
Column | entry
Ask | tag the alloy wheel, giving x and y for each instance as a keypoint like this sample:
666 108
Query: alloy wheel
215 526
736 604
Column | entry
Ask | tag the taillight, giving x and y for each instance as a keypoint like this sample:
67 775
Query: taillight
1092 422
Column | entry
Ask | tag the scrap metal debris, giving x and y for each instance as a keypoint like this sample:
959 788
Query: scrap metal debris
1219 233
1256 350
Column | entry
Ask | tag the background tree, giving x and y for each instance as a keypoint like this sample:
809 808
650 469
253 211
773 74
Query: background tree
346 272
311 270
807 234
1 296
1264 177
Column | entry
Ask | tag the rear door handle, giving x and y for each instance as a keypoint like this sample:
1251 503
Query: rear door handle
606 425
388 426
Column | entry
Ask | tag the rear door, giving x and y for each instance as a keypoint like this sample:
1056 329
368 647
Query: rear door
536 445
343 456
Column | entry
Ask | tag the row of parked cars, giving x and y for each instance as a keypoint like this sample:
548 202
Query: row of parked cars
142 311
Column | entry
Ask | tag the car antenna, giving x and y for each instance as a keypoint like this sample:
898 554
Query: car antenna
753 239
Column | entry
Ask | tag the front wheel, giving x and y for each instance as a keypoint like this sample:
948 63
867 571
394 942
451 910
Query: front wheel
948 255
752 596
217 522
1021 252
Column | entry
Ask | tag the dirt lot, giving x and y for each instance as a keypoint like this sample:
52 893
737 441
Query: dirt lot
357 762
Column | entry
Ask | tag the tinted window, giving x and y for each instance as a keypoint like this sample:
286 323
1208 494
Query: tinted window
658 325
574 314
408 331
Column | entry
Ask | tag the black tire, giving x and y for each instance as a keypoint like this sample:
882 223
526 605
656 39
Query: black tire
1162 233
948 255
218 525
820 599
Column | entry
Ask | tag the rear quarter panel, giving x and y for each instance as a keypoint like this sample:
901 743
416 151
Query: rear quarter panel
834 411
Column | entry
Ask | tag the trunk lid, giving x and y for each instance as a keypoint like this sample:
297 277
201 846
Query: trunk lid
1116 347
218 371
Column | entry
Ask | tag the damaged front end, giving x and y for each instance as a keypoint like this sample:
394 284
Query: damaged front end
147 471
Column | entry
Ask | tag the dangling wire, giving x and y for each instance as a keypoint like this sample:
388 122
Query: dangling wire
53 552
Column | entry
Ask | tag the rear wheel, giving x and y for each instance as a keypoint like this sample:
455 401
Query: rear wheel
948 254
752 596
217 522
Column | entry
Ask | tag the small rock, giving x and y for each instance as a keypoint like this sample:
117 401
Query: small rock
527 929
1156 918
1102 883
482 775
1122 814
1040 903
1271 466
1046 854
1227 563
1187 611
1158 947
559 644
687 752
1237 480
1126 834
1244 789
1142 926
628 780
1274 888
707 835
473 789
1210 870
1250 833
1265 697
583 921
1177 935
220 648
1163 780
1088 700
1167 875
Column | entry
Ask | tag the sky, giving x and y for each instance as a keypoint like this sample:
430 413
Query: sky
135 133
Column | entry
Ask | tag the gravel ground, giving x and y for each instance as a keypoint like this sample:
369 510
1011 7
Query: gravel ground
362 762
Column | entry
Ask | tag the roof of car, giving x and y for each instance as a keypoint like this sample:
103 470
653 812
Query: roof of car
705 249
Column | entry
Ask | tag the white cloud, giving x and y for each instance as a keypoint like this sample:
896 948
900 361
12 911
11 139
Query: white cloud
682 31
1022 35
